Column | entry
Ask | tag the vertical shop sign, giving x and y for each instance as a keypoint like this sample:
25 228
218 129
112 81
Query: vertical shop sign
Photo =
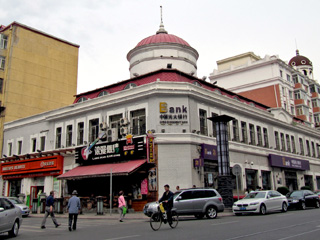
144 186
150 149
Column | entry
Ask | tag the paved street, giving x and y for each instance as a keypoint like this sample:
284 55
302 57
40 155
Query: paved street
277 226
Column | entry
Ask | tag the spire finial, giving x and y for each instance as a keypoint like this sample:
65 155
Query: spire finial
161 29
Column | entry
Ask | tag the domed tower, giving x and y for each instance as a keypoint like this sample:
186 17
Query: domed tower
162 50
302 64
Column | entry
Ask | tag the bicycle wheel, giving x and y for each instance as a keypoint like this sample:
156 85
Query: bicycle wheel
155 221
175 220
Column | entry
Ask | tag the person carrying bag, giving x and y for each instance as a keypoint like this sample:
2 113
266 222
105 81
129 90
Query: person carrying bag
122 206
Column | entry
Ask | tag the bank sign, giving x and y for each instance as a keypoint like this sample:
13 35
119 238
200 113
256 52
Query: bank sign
113 151
173 114
287 162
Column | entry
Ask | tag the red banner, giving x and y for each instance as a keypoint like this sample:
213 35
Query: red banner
32 166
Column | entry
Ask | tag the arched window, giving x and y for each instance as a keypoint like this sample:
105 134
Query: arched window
129 86
82 99
196 83
236 98
218 91
252 104
103 93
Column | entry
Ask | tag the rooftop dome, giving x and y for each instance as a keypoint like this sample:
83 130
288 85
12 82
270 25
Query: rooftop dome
162 38
299 60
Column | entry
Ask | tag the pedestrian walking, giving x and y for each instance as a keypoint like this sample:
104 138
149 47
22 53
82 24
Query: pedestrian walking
73 209
122 206
49 211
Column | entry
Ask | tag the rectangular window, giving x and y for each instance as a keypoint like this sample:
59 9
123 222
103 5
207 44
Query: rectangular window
203 122
283 144
69 136
58 137
290 94
265 137
318 149
19 152
9 149
308 148
34 145
214 125
281 74
138 122
293 144
80 137
313 149
259 135
235 130
288 78
252 134
295 79
288 143
244 132
2 62
1 85
3 41
276 138
299 111
42 143
114 121
297 95
301 146
93 129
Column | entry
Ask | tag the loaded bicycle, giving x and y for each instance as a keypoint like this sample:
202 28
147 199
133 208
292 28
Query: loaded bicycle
159 217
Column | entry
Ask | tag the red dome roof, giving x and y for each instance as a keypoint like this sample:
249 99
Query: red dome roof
299 60
162 38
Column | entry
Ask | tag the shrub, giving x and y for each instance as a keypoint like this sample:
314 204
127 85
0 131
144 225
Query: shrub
283 190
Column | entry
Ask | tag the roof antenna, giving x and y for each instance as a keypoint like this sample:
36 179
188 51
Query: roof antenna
161 29
297 51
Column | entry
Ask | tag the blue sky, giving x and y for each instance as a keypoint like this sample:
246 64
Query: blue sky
107 30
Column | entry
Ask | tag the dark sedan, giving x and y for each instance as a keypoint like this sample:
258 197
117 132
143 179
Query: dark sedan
300 199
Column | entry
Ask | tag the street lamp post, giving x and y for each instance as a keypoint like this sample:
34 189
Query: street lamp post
225 187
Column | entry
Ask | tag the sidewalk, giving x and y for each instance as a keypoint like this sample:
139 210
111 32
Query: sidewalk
115 216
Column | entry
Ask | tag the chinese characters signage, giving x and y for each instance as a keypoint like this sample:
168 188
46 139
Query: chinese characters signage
173 114
287 162
209 152
112 151
150 149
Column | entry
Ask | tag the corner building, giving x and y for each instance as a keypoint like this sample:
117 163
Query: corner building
172 105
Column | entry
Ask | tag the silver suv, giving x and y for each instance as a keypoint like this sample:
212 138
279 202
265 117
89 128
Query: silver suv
10 217
193 201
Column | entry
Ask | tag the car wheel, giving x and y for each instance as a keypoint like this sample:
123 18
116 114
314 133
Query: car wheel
284 207
211 212
303 205
317 204
263 209
238 214
199 216
15 230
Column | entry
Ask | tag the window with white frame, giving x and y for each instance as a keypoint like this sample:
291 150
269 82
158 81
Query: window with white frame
103 93
235 130
138 122
301 146
214 126
244 132
252 134
114 122
288 143
2 62
58 137
130 85
277 141
9 149
19 149
308 148
265 137
288 78
93 129
313 149
1 85
80 136
33 144
42 143
283 144
3 41
259 136
293 144
203 122
69 136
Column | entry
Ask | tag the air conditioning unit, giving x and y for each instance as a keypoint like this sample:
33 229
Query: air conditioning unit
103 126
124 130
112 134
124 121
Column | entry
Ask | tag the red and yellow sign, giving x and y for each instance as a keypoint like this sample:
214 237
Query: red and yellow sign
33 166
150 149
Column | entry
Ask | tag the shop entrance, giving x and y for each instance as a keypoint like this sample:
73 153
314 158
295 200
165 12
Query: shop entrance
15 188
291 180
210 174
34 191
251 179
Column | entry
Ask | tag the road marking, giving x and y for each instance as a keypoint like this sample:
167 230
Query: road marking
300 234
132 236
30 230
271 230
224 223
284 215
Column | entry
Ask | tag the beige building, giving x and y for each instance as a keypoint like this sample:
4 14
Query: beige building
38 72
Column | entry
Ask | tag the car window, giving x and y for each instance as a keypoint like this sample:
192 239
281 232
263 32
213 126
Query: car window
296 194
186 195
309 192
6 204
275 194
256 195
198 194
210 193
15 200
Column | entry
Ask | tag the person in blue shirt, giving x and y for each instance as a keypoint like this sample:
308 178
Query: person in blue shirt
73 209
167 200
50 211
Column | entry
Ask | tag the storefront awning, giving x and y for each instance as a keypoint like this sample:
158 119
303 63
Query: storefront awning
103 170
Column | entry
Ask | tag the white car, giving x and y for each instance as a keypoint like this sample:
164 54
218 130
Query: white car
25 211
10 217
261 202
